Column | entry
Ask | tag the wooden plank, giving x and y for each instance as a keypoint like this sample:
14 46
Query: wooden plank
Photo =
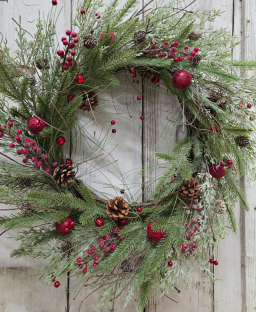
19 292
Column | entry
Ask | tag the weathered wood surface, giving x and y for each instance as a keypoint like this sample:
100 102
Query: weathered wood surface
134 145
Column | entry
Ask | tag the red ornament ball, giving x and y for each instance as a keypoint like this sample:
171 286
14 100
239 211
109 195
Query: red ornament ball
113 130
216 262
69 161
211 261
122 191
181 79
65 226
249 105
82 11
70 97
230 162
139 97
142 117
57 284
99 222
54 2
79 79
222 164
170 263
217 171
155 79
36 124
60 140
123 222
139 209
113 122
154 236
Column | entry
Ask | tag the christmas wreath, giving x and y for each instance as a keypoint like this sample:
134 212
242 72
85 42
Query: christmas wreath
125 244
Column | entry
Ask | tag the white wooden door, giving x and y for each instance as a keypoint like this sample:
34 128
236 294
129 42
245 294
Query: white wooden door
134 145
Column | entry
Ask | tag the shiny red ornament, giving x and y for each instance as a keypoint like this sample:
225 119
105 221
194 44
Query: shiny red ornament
79 79
170 263
65 226
70 97
216 262
211 261
82 11
69 161
155 79
139 209
113 122
36 124
181 79
57 284
154 236
54 2
60 140
122 191
139 97
230 162
142 117
123 222
99 222
217 171
113 130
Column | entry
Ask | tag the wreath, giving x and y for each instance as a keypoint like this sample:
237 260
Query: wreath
79 230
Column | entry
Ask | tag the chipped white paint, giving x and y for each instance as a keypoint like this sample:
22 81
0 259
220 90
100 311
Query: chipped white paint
134 147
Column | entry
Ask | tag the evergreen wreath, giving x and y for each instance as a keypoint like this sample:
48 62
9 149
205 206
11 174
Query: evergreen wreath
148 245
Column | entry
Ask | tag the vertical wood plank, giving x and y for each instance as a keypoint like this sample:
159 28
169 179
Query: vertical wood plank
19 291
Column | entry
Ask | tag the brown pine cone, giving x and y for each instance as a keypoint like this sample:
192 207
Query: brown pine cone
215 93
195 34
42 63
190 189
117 208
66 246
242 141
90 42
64 175
220 207
25 182
140 36
93 101
26 209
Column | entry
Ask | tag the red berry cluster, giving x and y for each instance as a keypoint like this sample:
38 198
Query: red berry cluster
56 283
227 163
188 248
113 123
106 245
69 44
167 50
213 262
250 113
27 148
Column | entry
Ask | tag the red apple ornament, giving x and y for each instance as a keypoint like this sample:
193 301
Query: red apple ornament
36 124
65 226
154 236
217 171
181 79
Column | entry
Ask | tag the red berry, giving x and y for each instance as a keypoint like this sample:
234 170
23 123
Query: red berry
65 42
122 191
107 248
142 117
54 279
230 162
54 164
54 2
113 246
116 230
47 170
180 59
186 48
60 140
74 34
11 145
62 39
35 148
34 159
139 209
89 252
78 260
76 40
155 79
25 151
176 44
72 45
139 97
66 230
56 284
19 131
222 164
113 122
134 74
69 161
174 49
196 49
211 261
170 56
216 262
25 160
10 123
84 271
96 258
193 53
73 53
69 59
1 134
82 11
99 222
166 43
249 105
79 79
190 58
19 152
68 32
93 248
176 59
65 67
107 236
113 130
170 263
95 265
185 245
40 163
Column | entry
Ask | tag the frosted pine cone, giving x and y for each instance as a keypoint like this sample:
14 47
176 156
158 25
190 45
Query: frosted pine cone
117 208
195 34
66 246
31 78
90 42
93 101
196 59
25 182
215 93
220 206
242 141
190 189
127 266
26 208
140 36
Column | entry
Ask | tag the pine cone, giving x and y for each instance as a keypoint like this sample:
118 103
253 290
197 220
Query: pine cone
195 34
25 182
31 78
190 189
26 208
140 36
93 101
64 175
66 246
242 141
220 206
40 64
117 208
145 73
90 42
127 266
215 93
196 59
